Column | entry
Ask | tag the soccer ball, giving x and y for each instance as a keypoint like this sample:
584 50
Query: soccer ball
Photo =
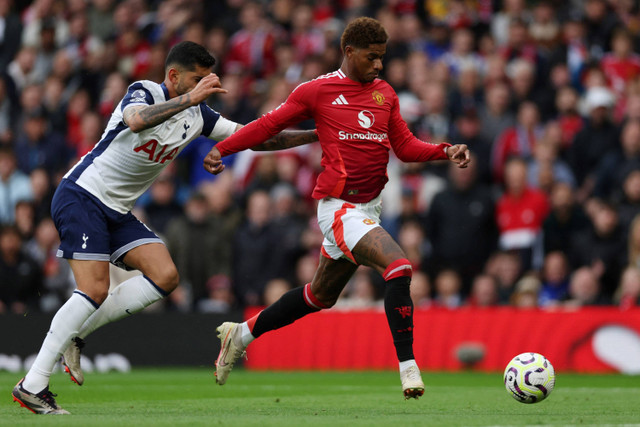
529 378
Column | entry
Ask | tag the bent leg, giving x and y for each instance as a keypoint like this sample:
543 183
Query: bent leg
329 280
92 278
377 249
159 278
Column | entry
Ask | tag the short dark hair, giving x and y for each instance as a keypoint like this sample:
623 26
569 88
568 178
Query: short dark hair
187 55
362 32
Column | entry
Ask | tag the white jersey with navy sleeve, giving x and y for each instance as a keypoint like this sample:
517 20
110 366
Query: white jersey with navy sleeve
123 164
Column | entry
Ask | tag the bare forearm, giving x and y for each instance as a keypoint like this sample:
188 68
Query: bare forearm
148 116
287 139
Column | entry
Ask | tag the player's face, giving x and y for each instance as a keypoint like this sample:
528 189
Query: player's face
187 80
366 63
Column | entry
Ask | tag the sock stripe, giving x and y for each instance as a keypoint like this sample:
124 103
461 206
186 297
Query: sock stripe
398 268
158 288
88 298
310 299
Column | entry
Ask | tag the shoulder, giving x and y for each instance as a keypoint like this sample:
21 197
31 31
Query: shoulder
322 80
146 86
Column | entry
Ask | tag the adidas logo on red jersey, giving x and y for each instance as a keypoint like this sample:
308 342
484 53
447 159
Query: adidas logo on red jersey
341 100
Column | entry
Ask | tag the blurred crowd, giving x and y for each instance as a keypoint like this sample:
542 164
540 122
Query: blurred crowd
546 95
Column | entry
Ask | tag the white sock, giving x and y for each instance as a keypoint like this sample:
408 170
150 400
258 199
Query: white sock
64 327
407 364
130 297
246 334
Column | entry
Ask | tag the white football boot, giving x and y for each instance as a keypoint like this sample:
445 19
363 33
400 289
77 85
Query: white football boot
412 385
231 349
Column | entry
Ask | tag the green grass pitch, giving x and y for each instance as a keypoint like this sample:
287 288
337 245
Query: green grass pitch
190 397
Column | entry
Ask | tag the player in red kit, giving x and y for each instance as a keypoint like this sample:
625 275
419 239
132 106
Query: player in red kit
358 121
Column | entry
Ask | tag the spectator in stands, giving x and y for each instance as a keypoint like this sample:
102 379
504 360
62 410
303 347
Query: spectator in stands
100 15
9 33
306 39
58 282
597 138
219 297
25 219
634 242
615 164
600 24
274 289
436 122
565 221
421 290
484 292
555 279
448 287
14 185
20 276
21 71
584 289
568 118
510 11
164 204
7 113
621 64
189 235
251 49
519 140
466 95
360 292
506 267
462 56
525 294
468 130
461 223
253 250
520 212
628 293
545 167
629 205
54 105
288 224
39 147
412 240
602 248
42 191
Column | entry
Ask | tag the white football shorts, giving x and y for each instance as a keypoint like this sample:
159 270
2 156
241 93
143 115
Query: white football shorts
343 224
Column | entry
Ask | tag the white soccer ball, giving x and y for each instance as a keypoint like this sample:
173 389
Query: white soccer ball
529 378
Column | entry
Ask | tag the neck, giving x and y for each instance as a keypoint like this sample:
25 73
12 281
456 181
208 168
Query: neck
345 69
170 88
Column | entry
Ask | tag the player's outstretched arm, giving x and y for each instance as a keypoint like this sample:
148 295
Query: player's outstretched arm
288 139
459 154
141 117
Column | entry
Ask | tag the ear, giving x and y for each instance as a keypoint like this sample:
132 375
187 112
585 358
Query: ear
348 50
173 75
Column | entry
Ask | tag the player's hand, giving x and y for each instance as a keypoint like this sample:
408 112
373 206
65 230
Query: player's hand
459 154
213 162
205 88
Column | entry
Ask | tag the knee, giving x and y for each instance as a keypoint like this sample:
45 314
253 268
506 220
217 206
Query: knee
327 298
98 295
166 278
399 268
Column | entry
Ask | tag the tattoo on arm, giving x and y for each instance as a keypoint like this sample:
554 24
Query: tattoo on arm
149 116
287 139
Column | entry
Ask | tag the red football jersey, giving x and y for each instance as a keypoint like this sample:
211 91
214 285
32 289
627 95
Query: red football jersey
357 124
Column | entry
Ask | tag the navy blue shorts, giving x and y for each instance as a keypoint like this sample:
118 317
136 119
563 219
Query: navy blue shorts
89 230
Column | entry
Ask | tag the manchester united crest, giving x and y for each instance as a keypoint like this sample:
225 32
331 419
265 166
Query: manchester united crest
368 221
378 97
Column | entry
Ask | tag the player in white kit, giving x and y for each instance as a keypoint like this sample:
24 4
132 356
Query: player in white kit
91 209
